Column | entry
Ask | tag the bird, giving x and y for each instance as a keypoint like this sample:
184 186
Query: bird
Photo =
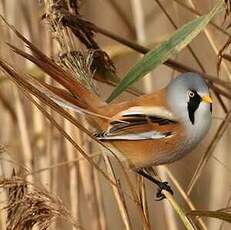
154 129
148 130
161 127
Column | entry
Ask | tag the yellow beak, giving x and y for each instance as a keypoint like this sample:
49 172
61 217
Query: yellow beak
207 99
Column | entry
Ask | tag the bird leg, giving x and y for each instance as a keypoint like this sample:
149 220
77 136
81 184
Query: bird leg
161 185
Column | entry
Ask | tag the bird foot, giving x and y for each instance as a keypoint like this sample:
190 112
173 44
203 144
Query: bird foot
163 186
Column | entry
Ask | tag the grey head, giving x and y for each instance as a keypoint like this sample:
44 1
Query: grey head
189 100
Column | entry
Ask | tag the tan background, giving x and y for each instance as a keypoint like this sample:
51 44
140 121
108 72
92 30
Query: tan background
27 142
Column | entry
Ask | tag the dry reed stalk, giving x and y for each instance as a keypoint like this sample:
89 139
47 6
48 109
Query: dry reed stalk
8 107
119 197
39 159
7 127
3 196
88 183
64 185
3 216
139 22
227 205
122 16
23 130
183 195
187 223
99 197
48 150
50 146
169 212
73 178
196 12
218 135
26 156
30 19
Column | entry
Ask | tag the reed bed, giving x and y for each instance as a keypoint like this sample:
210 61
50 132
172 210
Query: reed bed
54 174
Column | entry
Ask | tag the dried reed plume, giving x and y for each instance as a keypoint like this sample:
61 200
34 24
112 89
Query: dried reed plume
29 205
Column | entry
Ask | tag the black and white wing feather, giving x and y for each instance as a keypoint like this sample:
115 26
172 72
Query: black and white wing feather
139 123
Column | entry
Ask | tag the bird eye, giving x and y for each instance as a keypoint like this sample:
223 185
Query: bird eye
191 94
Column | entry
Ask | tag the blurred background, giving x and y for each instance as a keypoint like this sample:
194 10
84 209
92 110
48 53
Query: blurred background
29 141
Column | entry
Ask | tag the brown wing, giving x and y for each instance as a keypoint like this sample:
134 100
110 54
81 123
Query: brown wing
142 125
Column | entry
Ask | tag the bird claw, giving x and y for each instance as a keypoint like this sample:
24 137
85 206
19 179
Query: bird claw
163 186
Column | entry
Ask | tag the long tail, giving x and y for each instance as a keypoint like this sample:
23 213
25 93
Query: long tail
74 95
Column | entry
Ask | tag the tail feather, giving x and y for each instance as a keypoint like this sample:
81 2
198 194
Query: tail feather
75 92
66 100
60 96
73 95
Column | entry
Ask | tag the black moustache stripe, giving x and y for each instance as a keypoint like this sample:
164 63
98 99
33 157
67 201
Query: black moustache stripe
193 105
211 108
